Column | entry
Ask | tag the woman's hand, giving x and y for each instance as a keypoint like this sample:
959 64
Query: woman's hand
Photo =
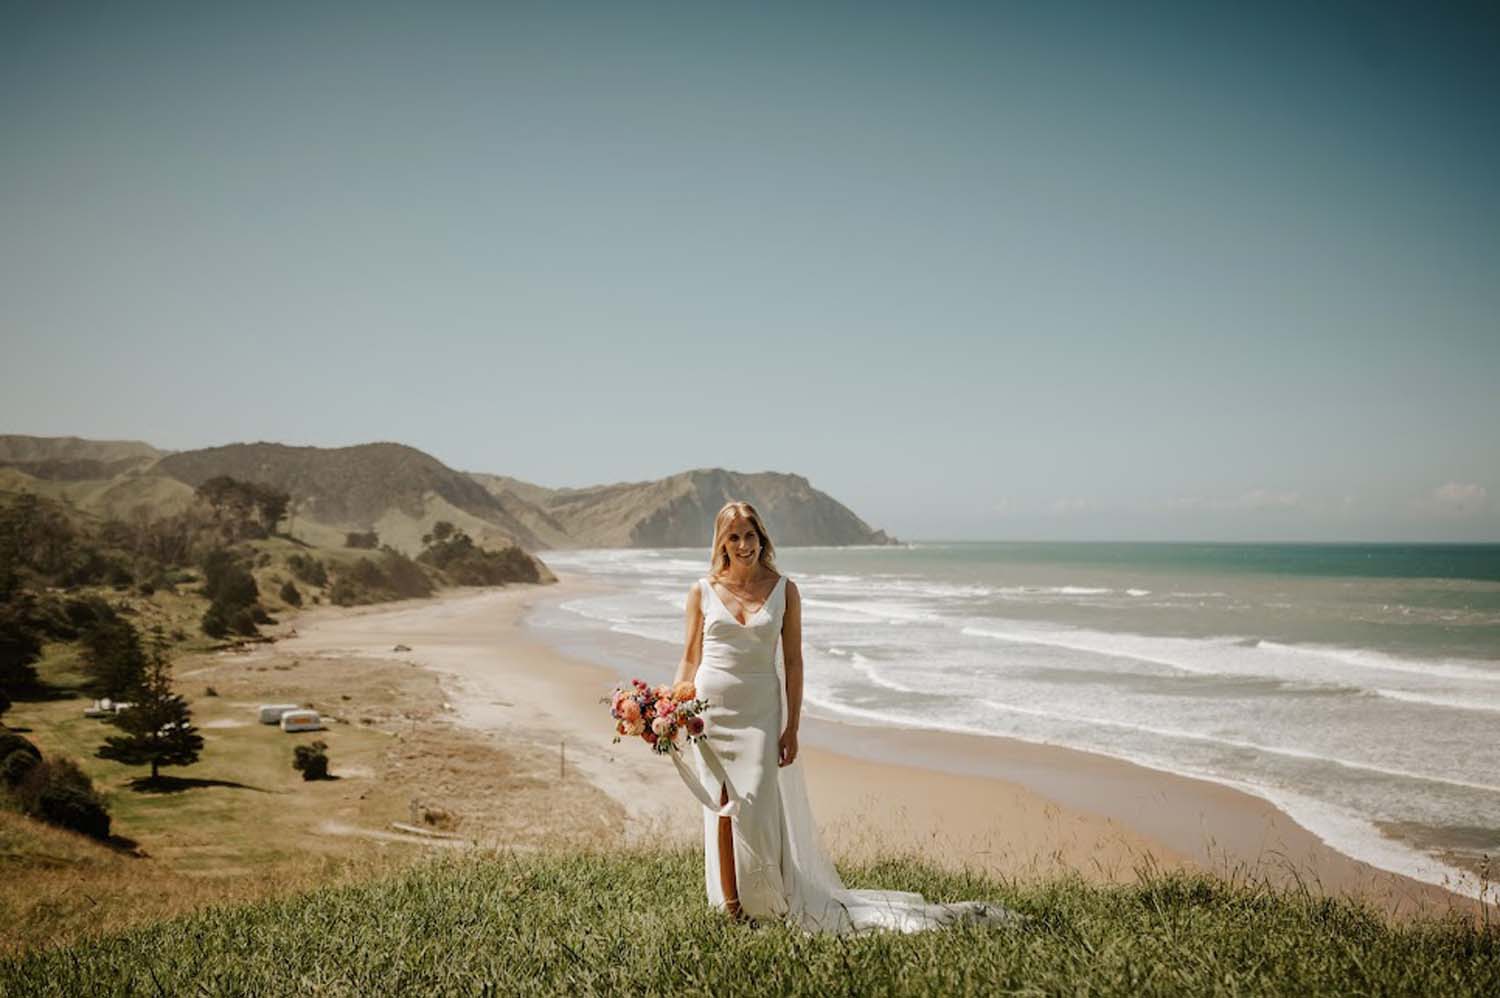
788 748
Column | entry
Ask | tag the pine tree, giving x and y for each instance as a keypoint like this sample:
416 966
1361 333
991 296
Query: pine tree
113 655
158 725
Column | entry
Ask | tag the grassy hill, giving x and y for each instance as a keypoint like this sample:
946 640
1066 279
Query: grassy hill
18 448
359 488
592 923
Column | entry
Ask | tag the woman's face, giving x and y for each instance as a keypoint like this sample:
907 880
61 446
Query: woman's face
742 541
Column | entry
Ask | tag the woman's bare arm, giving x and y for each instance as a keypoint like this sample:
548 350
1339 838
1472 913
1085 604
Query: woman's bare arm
692 650
791 649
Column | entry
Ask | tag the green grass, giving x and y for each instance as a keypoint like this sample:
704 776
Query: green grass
582 923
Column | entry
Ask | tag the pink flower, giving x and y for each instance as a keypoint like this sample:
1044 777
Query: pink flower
663 691
662 726
664 707
630 710
695 726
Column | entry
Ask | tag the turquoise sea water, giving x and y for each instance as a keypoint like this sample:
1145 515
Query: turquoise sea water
1355 686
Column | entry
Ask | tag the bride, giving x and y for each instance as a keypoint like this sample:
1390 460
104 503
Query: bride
761 852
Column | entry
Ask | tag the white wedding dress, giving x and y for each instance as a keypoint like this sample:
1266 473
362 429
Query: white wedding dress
781 869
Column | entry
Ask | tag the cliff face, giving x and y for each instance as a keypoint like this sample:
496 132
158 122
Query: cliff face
678 511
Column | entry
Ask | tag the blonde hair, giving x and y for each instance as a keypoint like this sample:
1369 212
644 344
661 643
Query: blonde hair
718 558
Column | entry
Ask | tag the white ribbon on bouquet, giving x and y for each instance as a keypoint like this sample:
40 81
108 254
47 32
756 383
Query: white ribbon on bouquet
693 777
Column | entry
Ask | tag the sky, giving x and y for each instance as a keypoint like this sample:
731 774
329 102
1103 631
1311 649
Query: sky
1032 271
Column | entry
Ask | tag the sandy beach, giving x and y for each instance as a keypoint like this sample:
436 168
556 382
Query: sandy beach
1006 807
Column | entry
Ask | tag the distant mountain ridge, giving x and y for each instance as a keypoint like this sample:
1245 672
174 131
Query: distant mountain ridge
678 511
400 492
73 458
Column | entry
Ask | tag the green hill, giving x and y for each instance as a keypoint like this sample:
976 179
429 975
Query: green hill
636 923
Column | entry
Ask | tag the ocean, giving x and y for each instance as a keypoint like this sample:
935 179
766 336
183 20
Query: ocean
1355 686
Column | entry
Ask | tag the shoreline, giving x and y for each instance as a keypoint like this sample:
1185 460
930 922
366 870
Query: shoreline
1005 806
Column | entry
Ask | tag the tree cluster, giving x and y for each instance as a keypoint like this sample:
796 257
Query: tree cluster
375 580
244 509
234 606
366 539
308 569
39 543
454 553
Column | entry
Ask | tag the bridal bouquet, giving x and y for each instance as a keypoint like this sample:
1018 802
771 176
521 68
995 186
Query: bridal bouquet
663 715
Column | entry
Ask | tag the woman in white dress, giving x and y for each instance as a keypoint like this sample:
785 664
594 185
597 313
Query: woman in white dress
761 852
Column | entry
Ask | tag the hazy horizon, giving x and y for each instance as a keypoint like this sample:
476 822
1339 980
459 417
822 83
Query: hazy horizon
1075 272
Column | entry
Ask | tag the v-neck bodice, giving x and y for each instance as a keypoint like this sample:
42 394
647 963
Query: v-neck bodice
714 593
745 649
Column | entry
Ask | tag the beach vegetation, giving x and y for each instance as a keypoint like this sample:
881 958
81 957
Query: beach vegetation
391 575
308 570
290 594
454 553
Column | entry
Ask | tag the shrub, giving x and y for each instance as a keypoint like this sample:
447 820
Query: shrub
290 594
242 622
368 539
311 760
16 766
12 742
456 555
227 581
17 758
215 624
394 576
59 793
308 570
404 576
79 810
260 616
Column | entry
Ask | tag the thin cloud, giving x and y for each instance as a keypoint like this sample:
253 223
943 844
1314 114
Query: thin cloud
1255 499
1456 498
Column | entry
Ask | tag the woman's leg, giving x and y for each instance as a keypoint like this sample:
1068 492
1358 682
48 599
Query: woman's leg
726 861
